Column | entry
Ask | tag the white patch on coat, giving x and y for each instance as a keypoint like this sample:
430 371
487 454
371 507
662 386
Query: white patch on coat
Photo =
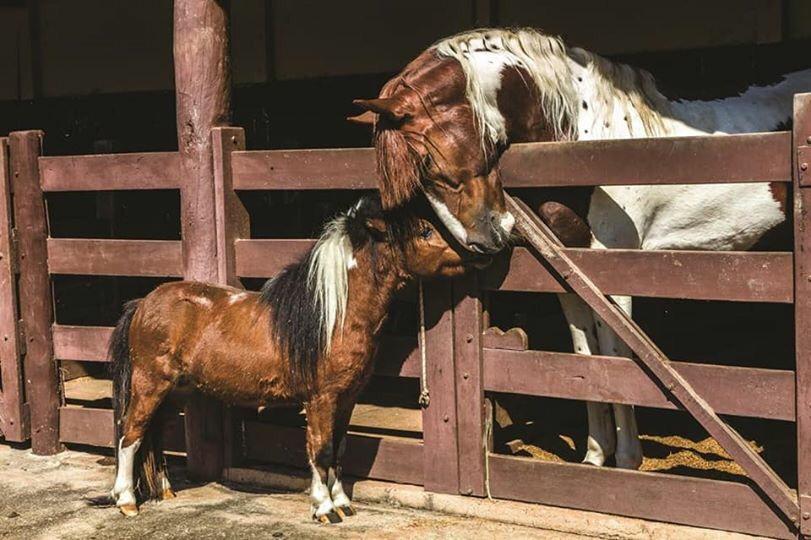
507 222
200 301
451 222
351 263
124 488
237 297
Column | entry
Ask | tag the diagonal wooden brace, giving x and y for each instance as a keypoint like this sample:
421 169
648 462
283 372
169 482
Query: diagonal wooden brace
653 361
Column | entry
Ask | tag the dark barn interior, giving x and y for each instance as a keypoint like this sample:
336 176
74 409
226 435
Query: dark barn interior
96 77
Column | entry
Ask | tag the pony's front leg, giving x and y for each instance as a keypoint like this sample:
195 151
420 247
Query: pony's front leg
340 499
602 435
320 424
629 449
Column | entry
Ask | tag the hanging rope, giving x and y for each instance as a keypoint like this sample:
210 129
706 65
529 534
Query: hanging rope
488 431
425 395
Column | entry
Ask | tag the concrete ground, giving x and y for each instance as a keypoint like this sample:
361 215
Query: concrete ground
64 496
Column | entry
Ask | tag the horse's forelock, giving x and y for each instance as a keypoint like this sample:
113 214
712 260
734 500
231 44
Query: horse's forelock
398 165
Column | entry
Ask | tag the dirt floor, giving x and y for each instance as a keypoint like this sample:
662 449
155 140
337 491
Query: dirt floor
64 497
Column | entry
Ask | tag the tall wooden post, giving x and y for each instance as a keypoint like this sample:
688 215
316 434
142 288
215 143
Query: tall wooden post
36 308
470 412
802 300
203 90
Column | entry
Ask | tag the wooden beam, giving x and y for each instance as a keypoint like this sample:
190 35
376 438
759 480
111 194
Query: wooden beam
90 426
81 343
701 275
153 170
203 93
714 504
36 307
753 392
657 364
752 157
103 257
266 258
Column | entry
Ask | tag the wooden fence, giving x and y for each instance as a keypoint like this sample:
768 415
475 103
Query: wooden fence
466 358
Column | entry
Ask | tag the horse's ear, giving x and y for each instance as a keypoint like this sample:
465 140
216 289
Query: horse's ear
367 118
392 108
377 228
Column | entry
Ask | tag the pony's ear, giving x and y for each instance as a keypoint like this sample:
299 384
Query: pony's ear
392 108
377 228
367 118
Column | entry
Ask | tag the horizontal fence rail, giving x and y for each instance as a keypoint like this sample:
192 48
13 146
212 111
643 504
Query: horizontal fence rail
105 172
103 257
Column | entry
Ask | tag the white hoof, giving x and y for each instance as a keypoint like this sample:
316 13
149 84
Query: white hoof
594 457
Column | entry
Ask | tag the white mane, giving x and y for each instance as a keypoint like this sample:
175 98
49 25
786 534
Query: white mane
331 259
562 75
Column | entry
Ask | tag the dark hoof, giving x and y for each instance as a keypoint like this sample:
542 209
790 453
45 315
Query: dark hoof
346 511
328 519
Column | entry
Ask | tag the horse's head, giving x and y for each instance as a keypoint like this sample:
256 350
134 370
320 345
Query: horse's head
427 139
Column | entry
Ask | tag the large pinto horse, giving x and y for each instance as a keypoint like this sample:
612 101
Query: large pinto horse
308 337
443 122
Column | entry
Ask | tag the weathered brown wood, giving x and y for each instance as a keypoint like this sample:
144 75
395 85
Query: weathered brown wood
769 392
753 157
151 170
713 504
342 168
802 305
103 257
382 458
36 309
656 362
13 410
704 275
266 258
398 356
439 420
82 343
470 406
89 426
514 339
203 92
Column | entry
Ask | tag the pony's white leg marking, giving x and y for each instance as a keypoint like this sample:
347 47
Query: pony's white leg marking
602 436
319 495
629 449
124 487
339 498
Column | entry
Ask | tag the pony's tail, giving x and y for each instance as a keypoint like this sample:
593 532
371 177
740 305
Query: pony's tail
150 465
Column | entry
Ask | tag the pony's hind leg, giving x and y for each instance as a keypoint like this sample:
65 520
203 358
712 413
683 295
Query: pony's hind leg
343 505
147 394
321 413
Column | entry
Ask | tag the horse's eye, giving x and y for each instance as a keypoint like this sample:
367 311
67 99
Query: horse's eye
426 232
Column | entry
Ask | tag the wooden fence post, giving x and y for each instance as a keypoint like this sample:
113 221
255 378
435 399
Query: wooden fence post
202 86
441 458
36 308
470 411
802 300
13 411
232 223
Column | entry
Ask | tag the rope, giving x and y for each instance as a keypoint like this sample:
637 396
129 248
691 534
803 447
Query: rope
425 395
488 430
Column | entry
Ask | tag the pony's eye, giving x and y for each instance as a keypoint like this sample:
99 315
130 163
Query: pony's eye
426 232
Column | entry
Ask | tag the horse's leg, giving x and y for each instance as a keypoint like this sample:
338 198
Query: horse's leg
340 499
146 394
321 412
602 436
629 450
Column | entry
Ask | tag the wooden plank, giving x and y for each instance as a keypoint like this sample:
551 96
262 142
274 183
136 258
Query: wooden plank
713 504
398 356
341 168
36 307
752 392
104 172
81 343
751 157
266 258
470 406
704 275
802 307
439 419
13 410
381 458
89 426
658 365
104 257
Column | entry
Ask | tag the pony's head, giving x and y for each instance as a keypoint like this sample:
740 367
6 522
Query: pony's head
427 139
